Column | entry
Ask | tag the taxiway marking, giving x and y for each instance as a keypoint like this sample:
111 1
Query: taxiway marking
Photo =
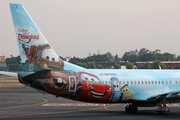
73 104
29 105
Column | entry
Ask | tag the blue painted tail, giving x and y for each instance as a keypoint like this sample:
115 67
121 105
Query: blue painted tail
35 51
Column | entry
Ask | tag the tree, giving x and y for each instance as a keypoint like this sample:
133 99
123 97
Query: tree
143 51
99 66
109 55
82 64
75 60
14 64
117 66
178 58
147 65
131 56
157 64
129 65
167 56
163 66
91 65
116 58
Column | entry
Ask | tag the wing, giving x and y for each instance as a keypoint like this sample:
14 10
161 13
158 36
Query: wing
170 97
9 73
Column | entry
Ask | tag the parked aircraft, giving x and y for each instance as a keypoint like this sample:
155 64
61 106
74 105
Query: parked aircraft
45 71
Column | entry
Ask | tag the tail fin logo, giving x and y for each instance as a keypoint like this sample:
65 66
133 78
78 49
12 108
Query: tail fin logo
25 36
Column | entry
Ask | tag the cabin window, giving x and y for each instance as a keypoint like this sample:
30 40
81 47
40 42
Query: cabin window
127 82
152 82
131 82
145 82
110 82
179 82
169 82
123 82
102 82
159 82
142 82
106 82
162 82
166 82
134 82
149 82
138 82
176 82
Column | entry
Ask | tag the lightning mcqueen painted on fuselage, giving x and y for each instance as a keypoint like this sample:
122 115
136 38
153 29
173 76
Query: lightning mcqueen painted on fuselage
90 88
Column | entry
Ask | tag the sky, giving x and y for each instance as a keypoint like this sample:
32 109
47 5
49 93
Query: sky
79 27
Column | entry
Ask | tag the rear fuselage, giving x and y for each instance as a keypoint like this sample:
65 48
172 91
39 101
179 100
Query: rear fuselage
105 86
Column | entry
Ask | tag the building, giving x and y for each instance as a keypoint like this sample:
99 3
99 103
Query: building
2 58
3 65
169 64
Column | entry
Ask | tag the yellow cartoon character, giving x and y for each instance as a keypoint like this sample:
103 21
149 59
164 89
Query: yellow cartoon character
126 93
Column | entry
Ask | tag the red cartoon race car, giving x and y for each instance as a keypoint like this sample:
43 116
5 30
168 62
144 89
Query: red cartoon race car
90 88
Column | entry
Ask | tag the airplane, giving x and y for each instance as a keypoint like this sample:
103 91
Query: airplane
45 71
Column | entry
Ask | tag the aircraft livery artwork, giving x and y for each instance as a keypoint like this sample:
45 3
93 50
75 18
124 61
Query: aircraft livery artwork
53 77
46 72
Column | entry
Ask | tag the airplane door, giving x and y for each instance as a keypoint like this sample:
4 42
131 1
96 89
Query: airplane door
72 83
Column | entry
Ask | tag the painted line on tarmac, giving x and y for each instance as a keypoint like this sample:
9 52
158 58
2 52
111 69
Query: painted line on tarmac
58 112
73 111
73 104
30 105
171 105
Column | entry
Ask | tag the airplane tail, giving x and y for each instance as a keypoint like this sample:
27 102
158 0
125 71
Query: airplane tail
35 51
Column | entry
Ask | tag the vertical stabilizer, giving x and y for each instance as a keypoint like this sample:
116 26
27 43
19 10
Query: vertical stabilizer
27 33
33 46
35 51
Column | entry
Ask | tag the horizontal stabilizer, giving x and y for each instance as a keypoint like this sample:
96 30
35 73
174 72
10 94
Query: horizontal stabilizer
8 73
170 95
45 73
